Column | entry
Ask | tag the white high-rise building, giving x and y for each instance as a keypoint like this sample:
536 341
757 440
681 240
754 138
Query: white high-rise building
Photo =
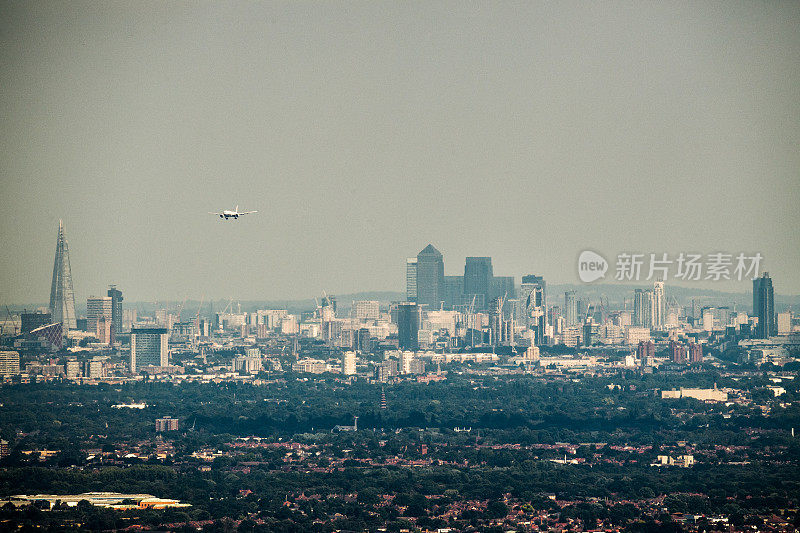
411 279
659 305
406 358
349 363
149 347
708 319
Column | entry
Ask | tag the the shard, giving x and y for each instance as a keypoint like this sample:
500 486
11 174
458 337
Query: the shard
62 296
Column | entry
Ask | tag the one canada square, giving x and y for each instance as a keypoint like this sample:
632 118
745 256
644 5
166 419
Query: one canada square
62 296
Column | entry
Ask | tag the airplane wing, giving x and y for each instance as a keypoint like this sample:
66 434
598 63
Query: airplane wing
247 212
210 213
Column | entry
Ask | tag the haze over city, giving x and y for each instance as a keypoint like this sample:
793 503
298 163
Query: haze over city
425 267
524 132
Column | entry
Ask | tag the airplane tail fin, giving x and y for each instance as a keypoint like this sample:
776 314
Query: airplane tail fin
237 209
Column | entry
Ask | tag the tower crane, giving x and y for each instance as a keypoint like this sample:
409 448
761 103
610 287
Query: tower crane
9 318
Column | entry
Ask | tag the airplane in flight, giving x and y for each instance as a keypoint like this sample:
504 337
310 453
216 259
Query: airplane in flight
235 214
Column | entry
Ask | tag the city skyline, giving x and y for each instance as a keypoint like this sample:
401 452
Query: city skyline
410 279
359 136
508 266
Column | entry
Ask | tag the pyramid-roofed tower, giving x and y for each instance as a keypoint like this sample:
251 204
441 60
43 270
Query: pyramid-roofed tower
62 295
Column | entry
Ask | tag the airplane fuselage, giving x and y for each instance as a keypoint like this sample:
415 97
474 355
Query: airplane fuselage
235 214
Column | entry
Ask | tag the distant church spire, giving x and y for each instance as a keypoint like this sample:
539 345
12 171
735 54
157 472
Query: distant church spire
62 295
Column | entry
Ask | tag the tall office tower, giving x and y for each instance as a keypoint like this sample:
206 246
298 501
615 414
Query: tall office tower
116 308
478 277
362 341
453 292
583 309
411 279
62 295
408 326
764 306
149 347
643 308
533 300
659 304
648 308
637 307
570 308
98 309
430 277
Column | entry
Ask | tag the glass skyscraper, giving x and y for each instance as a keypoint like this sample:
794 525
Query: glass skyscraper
764 306
116 308
430 277
62 295
411 279
570 308
478 277
408 326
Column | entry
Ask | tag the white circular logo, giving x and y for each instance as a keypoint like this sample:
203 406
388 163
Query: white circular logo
591 266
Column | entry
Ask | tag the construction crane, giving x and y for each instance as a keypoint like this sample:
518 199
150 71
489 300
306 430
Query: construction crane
9 317
229 306
200 307
501 303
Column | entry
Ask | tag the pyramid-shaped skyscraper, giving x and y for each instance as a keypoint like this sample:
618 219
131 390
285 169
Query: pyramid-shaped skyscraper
62 296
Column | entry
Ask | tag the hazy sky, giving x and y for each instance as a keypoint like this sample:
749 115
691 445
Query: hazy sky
363 131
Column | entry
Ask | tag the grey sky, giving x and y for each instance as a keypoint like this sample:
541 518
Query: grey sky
362 131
